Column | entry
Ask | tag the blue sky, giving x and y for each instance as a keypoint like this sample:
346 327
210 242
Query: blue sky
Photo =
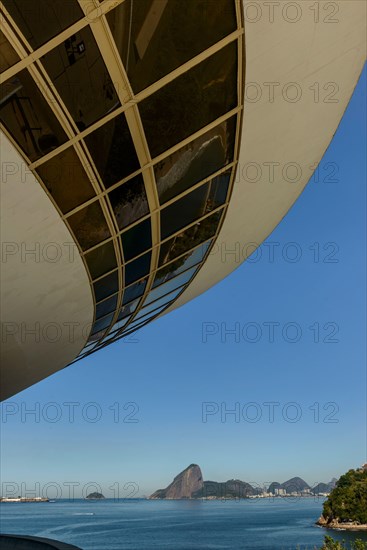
151 389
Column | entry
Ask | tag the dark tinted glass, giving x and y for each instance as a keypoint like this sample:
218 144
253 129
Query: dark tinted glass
134 291
136 240
113 151
219 189
102 323
8 55
185 262
137 269
196 161
192 206
101 260
27 116
66 180
191 101
184 241
184 211
106 286
79 74
41 20
106 307
154 38
89 225
129 202
127 310
97 336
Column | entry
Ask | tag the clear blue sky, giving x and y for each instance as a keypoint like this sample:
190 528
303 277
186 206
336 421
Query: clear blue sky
169 372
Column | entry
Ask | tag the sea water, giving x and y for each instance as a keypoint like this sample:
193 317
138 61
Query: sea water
266 524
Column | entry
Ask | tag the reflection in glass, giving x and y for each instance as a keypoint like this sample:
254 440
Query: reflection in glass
42 20
106 286
8 55
134 291
117 326
105 307
171 285
155 37
129 202
97 336
196 161
184 241
135 326
102 323
193 206
191 101
164 301
89 225
66 180
127 310
79 74
178 266
28 118
147 317
113 151
101 260
137 269
136 240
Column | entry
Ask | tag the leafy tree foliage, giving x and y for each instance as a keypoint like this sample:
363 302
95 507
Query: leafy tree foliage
348 500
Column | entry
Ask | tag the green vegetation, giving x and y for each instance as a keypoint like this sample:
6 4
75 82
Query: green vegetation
331 544
347 502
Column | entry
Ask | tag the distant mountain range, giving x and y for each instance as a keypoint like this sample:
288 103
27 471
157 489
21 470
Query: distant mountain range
190 484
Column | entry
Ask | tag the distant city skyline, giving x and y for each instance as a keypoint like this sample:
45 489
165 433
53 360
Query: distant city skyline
263 375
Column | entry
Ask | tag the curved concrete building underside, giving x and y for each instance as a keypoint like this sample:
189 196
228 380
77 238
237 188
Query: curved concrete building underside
317 63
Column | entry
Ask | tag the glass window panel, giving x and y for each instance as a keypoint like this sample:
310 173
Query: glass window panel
164 301
184 211
135 326
129 202
155 37
28 117
103 308
137 269
79 74
191 101
149 317
219 189
89 225
113 151
66 180
184 241
196 161
178 266
97 336
106 286
117 326
102 323
41 20
137 239
193 206
134 291
171 285
8 56
101 260
127 310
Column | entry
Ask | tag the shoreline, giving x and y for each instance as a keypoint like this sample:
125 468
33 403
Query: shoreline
322 522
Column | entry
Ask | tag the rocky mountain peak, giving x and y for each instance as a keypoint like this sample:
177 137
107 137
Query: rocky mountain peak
184 485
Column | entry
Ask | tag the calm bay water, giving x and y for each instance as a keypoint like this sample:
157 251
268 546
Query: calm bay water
280 524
